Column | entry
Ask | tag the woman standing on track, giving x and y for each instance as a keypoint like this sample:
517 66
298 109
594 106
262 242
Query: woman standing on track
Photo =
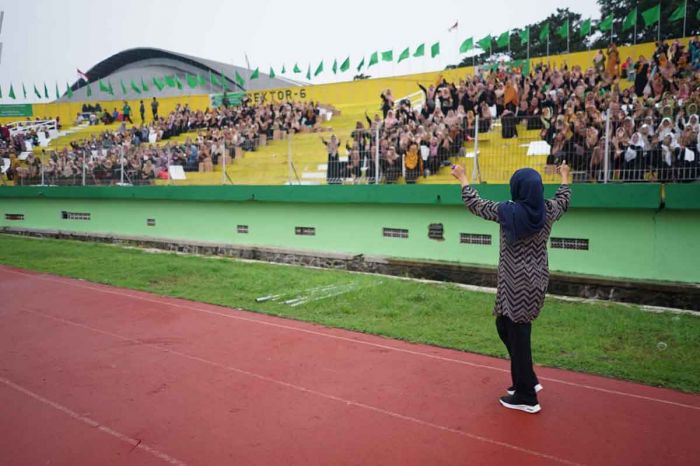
523 272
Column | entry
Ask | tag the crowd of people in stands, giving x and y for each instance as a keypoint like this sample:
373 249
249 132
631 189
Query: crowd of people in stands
215 133
648 108
654 128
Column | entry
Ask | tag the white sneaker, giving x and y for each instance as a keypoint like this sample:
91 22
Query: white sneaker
511 390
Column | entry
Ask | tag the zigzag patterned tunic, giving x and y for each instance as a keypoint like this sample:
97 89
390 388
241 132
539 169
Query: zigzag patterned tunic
523 268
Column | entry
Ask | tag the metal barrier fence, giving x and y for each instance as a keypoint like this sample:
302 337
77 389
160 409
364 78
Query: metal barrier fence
600 148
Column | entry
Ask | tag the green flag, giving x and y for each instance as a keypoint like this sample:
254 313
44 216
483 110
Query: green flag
11 94
308 72
563 30
319 69
69 92
404 55
89 90
36 92
135 87
585 28
272 73
544 33
191 80
485 43
255 74
388 55
24 91
503 40
345 65
373 60
0 92
58 95
46 91
467 45
630 20
103 87
201 80
224 84
296 68
420 51
239 79
652 15
435 50
143 85
361 64
178 83
335 66
606 24
124 87
525 36
678 13
284 70
111 89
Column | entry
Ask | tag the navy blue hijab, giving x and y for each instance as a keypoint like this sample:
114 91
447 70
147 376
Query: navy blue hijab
525 215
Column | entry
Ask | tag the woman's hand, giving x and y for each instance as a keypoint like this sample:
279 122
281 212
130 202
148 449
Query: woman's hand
458 172
564 169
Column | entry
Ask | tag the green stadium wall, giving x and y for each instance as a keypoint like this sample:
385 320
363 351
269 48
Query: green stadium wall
637 231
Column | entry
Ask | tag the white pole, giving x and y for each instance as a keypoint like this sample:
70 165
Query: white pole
83 168
122 165
685 15
606 160
223 166
635 25
42 171
376 160
528 46
170 179
475 169
289 158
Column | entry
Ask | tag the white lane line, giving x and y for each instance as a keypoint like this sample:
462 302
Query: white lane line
92 423
166 301
303 389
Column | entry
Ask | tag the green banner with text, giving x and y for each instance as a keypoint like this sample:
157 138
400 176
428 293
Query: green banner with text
16 110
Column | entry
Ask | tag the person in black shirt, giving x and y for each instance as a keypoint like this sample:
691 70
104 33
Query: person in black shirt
154 108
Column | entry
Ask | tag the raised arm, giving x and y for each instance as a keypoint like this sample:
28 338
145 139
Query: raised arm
560 203
425 91
488 210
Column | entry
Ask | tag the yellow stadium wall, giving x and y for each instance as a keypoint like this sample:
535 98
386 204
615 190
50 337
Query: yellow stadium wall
67 111
363 93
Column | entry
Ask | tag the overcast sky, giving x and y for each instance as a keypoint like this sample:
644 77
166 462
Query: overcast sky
46 40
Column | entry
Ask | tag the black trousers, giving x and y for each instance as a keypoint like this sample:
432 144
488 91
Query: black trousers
516 337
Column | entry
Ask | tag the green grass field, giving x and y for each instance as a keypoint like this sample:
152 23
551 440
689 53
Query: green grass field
599 338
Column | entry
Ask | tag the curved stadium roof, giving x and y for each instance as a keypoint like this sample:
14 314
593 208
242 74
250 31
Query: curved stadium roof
147 63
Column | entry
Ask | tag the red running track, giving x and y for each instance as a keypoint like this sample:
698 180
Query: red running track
96 375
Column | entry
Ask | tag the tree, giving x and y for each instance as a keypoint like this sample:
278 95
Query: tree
620 8
518 51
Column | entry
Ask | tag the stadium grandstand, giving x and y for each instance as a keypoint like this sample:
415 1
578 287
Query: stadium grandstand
147 115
